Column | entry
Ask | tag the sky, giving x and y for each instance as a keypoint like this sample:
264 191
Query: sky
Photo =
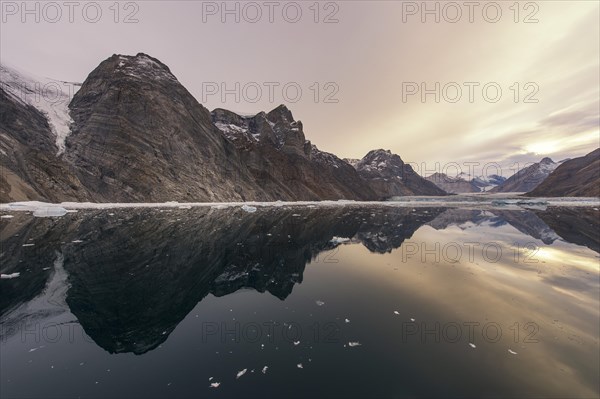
489 84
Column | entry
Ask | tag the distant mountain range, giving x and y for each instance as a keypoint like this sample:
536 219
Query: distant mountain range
463 183
133 133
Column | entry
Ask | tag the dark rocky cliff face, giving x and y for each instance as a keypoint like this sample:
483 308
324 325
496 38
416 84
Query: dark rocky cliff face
139 135
274 149
389 176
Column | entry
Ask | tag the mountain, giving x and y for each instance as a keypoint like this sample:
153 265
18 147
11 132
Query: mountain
388 176
280 159
527 179
578 177
133 133
454 185
464 183
486 183
139 136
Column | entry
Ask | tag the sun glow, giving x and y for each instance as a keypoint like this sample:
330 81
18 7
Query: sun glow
543 148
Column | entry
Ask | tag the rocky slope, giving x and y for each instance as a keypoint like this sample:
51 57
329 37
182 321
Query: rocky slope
528 178
388 176
579 177
139 136
280 159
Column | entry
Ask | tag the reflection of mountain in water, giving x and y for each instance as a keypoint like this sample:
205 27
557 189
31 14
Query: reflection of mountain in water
137 273
576 225
525 221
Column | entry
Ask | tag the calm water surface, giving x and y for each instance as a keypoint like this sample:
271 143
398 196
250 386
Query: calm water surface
301 302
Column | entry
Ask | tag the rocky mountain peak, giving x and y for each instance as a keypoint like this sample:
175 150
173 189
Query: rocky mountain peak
547 160
281 114
140 67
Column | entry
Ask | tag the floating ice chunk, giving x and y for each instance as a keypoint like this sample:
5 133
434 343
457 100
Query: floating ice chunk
339 240
353 344
241 373
76 241
512 352
49 211
300 366
264 369
411 319
9 276
396 312
215 384
211 378
319 302
296 343
249 209
34 349
28 245
347 320
6 217
472 345
185 207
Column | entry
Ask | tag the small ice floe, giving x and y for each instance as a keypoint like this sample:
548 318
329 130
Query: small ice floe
411 319
300 366
210 378
28 245
339 240
34 349
49 212
319 302
264 369
185 207
6 217
396 312
241 373
296 215
347 320
215 384
76 241
353 344
512 352
472 345
296 343
9 276
249 209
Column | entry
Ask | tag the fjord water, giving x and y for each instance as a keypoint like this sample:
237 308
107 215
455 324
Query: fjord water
347 301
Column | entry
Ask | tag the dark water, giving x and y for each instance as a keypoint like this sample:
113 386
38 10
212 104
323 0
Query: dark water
153 303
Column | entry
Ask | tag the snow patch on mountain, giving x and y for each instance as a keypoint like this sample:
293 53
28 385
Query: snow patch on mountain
49 96
143 66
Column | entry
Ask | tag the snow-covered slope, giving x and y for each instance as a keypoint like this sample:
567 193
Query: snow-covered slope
49 96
